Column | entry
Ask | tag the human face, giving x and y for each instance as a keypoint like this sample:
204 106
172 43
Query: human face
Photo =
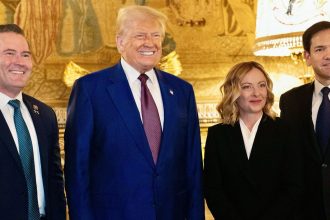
253 93
319 56
141 44
15 63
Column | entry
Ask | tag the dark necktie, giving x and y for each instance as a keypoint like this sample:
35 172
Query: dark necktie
150 117
26 155
323 121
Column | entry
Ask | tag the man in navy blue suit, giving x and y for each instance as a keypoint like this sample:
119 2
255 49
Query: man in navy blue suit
132 138
31 179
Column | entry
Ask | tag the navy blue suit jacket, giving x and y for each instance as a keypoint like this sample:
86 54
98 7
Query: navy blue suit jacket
109 170
13 188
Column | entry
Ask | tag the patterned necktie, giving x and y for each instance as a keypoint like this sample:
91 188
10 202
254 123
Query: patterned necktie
323 121
26 155
150 117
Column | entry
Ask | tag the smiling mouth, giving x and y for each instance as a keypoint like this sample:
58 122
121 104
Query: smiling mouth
17 72
256 101
147 53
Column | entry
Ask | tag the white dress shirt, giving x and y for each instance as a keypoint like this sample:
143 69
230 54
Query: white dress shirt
317 100
153 86
8 113
249 136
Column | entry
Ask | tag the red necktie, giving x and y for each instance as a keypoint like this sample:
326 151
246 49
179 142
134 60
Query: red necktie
150 117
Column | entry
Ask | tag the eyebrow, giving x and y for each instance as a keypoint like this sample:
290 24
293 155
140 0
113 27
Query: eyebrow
249 83
252 83
320 46
146 32
12 50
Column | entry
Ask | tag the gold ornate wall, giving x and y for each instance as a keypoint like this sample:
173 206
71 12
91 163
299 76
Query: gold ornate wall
205 38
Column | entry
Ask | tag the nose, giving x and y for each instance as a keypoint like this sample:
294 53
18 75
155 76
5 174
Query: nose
256 90
327 53
19 59
148 40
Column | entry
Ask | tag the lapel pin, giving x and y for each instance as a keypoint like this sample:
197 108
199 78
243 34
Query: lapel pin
35 109
171 92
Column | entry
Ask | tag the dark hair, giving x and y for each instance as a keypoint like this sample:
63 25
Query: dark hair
5 28
311 31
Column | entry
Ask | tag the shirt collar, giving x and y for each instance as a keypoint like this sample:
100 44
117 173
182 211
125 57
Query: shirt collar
132 74
4 99
317 88
255 126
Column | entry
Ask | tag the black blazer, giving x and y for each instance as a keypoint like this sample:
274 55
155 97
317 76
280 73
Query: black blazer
13 189
296 109
266 186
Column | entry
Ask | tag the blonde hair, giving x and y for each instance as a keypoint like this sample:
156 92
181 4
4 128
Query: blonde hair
230 91
133 12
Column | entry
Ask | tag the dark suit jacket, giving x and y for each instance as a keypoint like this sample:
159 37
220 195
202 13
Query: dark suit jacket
267 186
296 109
109 170
13 188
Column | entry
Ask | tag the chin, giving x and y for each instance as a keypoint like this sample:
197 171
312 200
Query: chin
149 66
256 111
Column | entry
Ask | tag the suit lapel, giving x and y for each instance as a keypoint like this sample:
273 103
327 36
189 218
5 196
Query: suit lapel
239 152
36 116
7 139
168 93
126 107
261 135
307 98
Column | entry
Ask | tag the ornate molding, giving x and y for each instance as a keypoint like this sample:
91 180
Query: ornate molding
207 113
61 116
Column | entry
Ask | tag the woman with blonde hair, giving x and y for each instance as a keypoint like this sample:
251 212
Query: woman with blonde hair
251 168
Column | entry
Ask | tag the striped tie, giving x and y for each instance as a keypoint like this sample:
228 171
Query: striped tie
26 155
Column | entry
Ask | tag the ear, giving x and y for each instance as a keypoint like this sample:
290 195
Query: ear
119 43
307 56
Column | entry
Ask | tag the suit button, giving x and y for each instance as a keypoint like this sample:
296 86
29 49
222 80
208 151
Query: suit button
324 165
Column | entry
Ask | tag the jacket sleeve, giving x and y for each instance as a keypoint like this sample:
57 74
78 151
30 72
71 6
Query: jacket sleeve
56 207
78 134
194 163
286 202
284 106
217 201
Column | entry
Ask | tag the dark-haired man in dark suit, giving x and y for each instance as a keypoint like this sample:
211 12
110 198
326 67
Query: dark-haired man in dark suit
31 180
307 109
